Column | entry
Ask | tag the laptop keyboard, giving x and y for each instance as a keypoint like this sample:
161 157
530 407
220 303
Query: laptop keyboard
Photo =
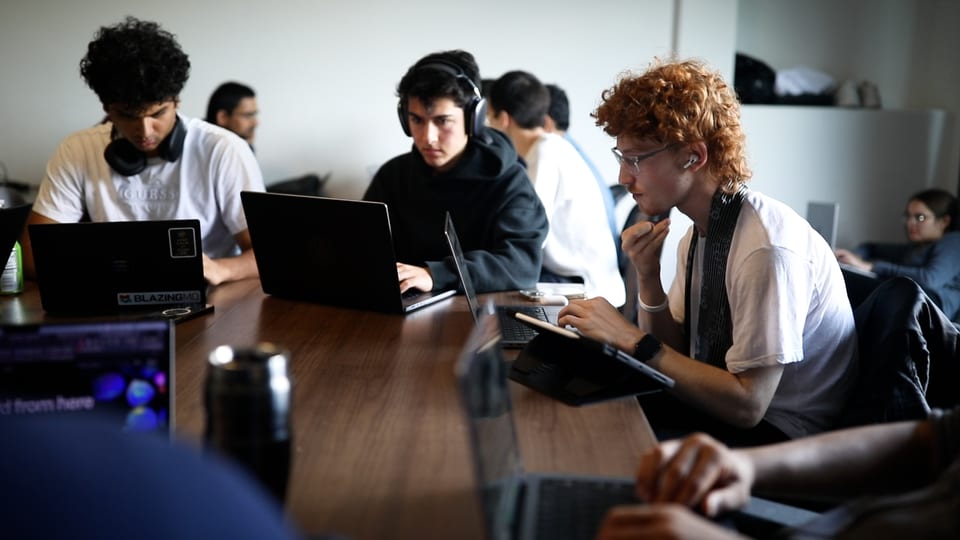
574 508
411 293
514 331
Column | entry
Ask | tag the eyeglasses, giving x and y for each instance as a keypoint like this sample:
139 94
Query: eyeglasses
919 218
635 160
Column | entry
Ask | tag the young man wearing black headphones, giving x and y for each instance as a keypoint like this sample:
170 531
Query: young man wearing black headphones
146 162
457 164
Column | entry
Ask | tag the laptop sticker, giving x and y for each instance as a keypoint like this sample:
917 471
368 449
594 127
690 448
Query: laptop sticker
183 244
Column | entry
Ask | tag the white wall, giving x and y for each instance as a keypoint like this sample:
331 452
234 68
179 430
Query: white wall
325 72
867 161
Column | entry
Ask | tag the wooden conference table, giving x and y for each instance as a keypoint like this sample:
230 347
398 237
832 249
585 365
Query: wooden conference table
380 448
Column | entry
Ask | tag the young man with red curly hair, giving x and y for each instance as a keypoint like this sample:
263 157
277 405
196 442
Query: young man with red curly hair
756 330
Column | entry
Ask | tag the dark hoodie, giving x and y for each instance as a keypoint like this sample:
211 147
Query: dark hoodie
498 215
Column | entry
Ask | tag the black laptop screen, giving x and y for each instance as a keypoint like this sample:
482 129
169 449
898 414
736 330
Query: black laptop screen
118 370
118 266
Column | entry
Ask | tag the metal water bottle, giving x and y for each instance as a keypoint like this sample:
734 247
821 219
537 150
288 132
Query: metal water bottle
248 400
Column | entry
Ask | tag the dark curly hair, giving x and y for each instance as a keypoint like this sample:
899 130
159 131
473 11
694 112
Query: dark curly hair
680 102
134 64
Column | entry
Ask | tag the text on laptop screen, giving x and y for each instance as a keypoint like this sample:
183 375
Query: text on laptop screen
120 370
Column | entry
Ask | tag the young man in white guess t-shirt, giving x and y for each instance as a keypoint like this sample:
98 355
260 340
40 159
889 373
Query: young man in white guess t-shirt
145 162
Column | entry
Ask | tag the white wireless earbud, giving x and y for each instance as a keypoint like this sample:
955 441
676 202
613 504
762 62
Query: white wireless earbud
691 161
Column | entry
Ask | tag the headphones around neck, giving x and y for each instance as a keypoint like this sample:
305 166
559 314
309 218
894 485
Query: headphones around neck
474 112
127 160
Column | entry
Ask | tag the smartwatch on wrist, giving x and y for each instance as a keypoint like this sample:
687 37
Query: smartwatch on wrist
646 348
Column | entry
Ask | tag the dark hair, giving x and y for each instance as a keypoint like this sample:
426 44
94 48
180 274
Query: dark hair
559 109
485 86
942 203
522 96
134 64
430 84
226 98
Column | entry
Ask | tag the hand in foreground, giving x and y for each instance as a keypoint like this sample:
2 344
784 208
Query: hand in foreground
848 257
414 277
698 472
643 242
597 319
658 521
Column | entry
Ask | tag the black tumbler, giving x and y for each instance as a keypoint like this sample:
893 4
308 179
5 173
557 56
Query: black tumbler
248 400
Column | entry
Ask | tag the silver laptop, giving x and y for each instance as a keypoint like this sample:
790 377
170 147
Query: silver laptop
822 216
515 334
120 371
329 251
516 504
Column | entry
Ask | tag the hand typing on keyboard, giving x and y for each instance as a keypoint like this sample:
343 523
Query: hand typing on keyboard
414 277
597 319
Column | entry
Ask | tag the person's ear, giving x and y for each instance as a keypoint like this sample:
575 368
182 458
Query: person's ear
498 119
947 222
548 124
222 117
696 156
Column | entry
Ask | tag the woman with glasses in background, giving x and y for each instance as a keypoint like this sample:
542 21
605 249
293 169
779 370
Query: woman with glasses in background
931 256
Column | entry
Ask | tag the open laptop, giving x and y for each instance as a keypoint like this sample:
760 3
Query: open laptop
121 371
148 268
329 251
822 216
514 334
520 505
516 504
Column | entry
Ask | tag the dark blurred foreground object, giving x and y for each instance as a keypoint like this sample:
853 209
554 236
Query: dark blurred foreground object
70 477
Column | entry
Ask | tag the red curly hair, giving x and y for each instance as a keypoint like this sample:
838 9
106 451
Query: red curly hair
680 102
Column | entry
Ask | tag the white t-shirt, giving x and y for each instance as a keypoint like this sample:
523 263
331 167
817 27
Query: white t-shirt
204 184
788 306
578 243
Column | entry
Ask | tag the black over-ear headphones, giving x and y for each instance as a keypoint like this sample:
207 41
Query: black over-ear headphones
128 160
474 112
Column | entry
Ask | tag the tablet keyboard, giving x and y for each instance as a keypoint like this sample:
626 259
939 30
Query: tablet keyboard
513 332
